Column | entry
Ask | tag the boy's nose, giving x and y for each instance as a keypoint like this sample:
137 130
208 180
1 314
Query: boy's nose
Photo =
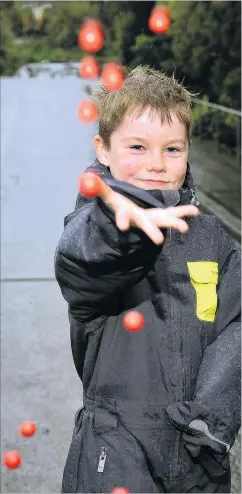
157 164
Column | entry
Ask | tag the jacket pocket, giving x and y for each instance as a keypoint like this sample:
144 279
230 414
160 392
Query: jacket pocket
104 455
204 279
122 461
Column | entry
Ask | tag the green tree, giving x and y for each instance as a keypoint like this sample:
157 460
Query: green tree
116 18
202 47
17 17
154 51
64 19
137 26
205 39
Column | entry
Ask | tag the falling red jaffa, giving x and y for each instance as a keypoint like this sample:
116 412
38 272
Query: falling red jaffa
87 111
112 76
159 21
89 68
27 428
12 459
91 36
133 321
90 184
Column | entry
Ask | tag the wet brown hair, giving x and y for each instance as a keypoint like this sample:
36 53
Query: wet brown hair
143 87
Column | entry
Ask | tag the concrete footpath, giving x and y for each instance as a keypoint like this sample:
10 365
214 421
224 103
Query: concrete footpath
44 149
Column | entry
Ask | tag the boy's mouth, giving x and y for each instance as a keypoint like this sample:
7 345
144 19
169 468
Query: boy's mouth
151 184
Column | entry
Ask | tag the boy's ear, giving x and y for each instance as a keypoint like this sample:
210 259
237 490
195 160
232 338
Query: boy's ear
101 151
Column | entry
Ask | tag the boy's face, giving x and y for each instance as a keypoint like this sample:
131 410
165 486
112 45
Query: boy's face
147 153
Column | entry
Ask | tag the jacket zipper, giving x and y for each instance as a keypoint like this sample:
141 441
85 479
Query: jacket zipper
102 459
194 199
170 229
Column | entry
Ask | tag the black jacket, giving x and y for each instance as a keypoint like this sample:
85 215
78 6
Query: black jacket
187 357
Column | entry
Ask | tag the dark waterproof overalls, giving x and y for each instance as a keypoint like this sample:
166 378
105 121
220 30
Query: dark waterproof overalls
161 406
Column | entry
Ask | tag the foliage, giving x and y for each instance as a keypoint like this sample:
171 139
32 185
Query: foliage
206 48
63 22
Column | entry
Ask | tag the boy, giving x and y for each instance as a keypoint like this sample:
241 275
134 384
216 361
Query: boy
161 406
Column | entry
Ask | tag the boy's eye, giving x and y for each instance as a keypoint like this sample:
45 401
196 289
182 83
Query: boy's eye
138 147
173 150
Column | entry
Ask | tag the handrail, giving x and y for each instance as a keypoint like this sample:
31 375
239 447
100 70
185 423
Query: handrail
213 105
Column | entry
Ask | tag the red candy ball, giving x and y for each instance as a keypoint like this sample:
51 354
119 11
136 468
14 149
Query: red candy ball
87 111
27 428
91 37
112 76
159 21
133 321
90 184
89 68
12 459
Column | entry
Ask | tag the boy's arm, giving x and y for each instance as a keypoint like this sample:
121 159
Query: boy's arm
90 270
213 417
94 260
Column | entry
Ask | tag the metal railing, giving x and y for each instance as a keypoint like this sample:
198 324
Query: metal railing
218 123
218 107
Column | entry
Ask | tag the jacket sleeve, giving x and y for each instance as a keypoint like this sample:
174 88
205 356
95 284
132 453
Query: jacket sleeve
94 261
212 420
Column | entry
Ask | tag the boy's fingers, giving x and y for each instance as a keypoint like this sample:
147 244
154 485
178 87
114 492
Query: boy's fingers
181 211
106 193
149 221
116 201
141 220
164 219
151 230
122 219
172 217
126 216
173 222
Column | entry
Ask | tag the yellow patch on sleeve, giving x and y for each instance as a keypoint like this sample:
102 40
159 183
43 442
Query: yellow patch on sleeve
204 278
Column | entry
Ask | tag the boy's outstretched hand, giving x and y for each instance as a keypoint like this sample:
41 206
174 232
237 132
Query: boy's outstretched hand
128 214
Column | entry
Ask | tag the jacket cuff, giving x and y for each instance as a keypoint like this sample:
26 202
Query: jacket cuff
200 425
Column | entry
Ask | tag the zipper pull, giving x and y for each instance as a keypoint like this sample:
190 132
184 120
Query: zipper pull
102 459
194 199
